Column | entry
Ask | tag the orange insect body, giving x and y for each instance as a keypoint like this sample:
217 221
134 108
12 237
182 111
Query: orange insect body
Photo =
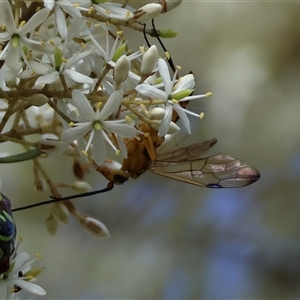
141 151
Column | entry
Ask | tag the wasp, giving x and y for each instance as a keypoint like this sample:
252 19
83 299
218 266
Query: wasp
148 151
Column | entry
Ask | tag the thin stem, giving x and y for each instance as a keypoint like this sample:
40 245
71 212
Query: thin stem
59 112
54 199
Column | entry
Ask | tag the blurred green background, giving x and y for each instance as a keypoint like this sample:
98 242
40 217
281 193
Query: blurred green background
170 240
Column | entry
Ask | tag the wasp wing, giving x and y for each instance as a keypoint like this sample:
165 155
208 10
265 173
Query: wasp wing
218 171
179 150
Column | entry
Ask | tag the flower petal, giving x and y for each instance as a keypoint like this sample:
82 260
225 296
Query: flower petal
78 77
7 17
165 122
165 75
83 105
47 79
4 36
76 132
37 19
186 82
183 117
119 128
13 56
112 104
114 12
30 287
61 22
151 91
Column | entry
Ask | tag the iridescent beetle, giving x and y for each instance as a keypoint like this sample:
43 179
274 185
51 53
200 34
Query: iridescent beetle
7 233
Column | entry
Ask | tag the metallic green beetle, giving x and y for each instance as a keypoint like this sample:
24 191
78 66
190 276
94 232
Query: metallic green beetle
7 233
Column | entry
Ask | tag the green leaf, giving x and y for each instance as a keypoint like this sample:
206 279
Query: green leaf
21 156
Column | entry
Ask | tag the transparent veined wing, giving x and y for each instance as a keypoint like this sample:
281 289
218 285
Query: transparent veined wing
217 171
185 153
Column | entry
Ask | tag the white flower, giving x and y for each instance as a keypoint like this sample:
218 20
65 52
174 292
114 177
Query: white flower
17 36
172 95
18 277
61 21
98 126
59 66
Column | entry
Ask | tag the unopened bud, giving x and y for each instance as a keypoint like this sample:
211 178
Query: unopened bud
149 61
38 100
61 213
167 33
94 227
157 113
79 169
51 225
121 69
81 186
39 185
169 4
173 128
147 12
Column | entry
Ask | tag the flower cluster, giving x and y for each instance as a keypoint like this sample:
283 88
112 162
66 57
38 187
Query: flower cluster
71 86
68 74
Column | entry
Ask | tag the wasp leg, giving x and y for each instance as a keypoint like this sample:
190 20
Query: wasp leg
149 146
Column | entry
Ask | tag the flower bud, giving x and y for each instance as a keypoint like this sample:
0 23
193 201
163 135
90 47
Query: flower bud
81 186
147 12
157 113
94 227
79 169
149 60
169 4
61 213
38 99
167 33
51 225
173 128
121 69
39 185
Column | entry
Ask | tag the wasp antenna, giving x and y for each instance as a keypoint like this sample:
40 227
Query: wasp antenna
54 199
